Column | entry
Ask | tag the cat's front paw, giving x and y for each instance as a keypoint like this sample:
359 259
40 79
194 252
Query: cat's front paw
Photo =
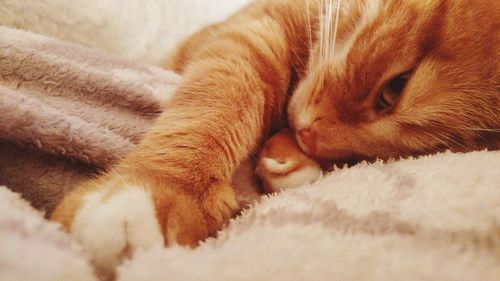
113 218
281 164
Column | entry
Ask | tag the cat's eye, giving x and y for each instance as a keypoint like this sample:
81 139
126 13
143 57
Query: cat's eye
391 92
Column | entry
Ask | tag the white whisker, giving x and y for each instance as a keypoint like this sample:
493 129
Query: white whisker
309 28
328 28
336 25
445 138
323 29
493 130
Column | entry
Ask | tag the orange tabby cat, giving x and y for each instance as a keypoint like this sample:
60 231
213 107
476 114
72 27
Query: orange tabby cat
370 78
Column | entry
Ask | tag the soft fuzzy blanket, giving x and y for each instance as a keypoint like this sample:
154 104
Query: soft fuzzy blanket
433 218
138 30
68 111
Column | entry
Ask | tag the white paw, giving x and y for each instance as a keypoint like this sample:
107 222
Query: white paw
114 226
277 167
297 178
280 175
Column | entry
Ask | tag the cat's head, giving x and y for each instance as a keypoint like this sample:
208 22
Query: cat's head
404 78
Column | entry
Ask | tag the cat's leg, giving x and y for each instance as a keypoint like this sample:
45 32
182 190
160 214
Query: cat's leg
176 184
175 187
117 214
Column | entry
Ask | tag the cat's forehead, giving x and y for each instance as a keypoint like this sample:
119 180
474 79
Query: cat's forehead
395 36
432 40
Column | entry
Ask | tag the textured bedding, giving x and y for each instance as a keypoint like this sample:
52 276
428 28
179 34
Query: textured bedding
433 218
67 112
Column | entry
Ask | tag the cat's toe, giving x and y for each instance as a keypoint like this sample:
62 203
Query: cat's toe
276 166
112 225
278 177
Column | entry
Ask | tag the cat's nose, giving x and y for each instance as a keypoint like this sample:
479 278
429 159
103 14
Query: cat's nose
307 140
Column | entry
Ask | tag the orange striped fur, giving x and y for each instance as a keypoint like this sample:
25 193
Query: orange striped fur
239 76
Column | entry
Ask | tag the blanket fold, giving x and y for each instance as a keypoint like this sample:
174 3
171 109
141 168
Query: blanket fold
74 107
